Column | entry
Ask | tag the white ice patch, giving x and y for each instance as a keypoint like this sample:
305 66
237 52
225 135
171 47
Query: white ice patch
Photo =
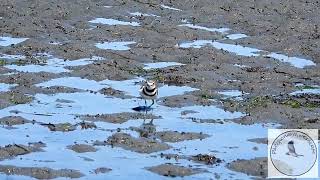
6 87
143 14
241 65
247 51
220 30
311 90
7 41
9 74
55 43
113 22
73 82
159 65
184 20
171 8
236 36
54 65
236 94
232 48
11 57
231 93
119 46
241 50
294 61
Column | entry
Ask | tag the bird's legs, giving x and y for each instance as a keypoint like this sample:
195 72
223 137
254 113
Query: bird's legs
146 110
152 103
145 116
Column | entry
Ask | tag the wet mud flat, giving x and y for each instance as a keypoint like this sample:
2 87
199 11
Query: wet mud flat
226 70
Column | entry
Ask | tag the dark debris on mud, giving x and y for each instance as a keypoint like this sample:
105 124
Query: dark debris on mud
209 121
102 170
119 117
148 130
65 127
206 159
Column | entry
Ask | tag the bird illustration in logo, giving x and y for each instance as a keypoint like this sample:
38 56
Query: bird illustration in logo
292 150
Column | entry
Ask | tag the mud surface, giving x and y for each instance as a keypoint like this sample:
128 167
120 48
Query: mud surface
82 148
13 120
11 151
226 71
148 130
141 145
13 98
174 170
60 127
259 140
119 117
184 100
113 92
170 136
255 167
39 173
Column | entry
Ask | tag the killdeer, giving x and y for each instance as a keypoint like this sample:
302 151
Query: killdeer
149 90
292 150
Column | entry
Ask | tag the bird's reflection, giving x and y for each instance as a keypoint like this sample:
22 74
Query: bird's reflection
147 129
142 108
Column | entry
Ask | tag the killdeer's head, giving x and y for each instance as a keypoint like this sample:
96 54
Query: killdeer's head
150 84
